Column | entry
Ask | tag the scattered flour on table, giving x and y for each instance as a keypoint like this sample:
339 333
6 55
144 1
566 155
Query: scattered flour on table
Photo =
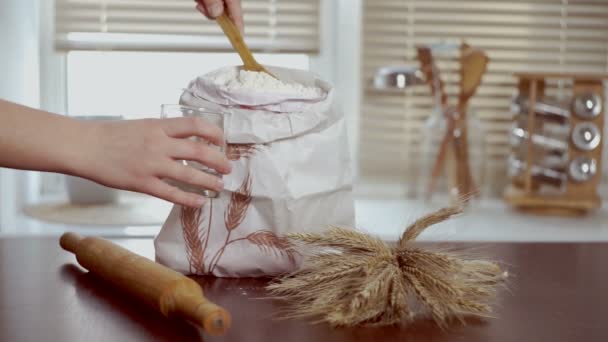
254 81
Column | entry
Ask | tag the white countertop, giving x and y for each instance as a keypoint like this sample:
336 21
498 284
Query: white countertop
490 221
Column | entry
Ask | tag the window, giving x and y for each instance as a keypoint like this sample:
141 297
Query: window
535 35
127 57
174 25
135 84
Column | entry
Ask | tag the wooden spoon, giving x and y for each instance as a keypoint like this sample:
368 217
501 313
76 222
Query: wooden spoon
432 74
236 39
473 65
434 80
442 155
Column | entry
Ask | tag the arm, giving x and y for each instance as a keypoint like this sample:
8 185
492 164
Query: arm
132 155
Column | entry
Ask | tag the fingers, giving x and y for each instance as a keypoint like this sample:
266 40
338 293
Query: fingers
214 8
189 127
201 8
162 190
192 176
202 153
211 8
236 13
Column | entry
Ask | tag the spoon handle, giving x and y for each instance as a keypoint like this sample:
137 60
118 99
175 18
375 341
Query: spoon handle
238 43
234 35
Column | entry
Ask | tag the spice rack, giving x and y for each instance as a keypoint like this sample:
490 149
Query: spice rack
556 160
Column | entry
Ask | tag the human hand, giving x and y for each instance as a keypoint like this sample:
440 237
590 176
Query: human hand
214 8
136 155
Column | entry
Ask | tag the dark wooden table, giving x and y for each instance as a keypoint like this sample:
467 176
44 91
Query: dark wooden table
557 293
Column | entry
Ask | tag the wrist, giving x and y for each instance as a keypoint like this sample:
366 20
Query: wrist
78 147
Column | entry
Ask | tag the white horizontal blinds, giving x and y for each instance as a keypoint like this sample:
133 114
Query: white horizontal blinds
175 25
540 35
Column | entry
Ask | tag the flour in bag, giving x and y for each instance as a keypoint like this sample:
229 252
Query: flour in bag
233 80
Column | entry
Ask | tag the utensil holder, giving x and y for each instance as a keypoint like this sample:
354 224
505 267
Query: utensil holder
433 135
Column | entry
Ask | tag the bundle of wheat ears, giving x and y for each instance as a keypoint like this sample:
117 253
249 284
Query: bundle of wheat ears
350 278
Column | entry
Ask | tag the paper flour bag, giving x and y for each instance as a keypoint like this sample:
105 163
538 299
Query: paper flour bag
291 172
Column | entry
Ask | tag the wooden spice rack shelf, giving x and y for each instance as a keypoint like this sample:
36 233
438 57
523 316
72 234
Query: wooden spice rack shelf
576 195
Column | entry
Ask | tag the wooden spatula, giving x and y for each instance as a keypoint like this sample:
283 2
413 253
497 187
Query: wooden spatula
473 66
236 39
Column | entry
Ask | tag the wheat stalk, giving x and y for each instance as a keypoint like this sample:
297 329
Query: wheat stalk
269 241
342 238
412 232
237 151
191 219
233 216
239 203
349 278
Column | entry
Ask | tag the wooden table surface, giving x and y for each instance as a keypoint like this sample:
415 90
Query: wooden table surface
557 293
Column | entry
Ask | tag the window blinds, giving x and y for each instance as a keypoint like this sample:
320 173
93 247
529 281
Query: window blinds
175 25
537 35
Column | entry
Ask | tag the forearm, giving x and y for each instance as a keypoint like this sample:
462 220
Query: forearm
32 139
135 155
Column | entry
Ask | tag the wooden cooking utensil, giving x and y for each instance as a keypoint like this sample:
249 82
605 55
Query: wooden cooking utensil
442 154
432 74
473 65
167 291
437 85
238 43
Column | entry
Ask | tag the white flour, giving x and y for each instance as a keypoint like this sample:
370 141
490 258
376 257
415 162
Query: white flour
232 79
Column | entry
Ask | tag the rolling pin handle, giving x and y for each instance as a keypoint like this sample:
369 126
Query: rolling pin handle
70 241
186 299
215 319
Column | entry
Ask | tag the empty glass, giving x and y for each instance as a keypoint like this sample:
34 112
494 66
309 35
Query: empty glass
212 117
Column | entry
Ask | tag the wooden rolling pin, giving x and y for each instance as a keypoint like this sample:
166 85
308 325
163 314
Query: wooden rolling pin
168 291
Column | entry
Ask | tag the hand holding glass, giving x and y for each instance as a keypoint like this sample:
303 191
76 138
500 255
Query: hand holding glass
214 118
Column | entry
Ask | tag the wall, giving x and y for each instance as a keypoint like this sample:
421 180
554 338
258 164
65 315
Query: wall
19 71
339 62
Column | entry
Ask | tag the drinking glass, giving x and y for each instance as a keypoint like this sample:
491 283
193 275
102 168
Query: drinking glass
212 117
